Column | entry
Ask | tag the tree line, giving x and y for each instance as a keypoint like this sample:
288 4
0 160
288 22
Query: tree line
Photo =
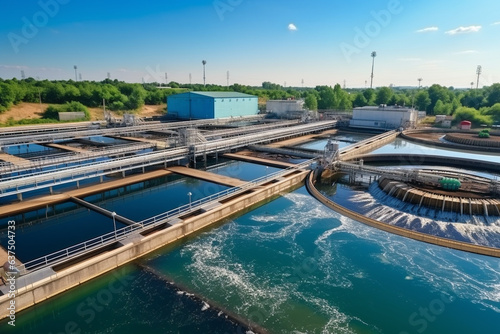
481 106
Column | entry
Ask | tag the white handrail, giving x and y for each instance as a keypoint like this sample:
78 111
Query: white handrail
122 233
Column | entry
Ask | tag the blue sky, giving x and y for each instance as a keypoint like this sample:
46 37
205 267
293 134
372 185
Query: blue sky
323 42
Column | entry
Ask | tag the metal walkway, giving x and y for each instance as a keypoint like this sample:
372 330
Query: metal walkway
44 179
48 135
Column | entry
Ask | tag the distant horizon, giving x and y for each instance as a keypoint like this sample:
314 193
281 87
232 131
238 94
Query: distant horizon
320 43
162 84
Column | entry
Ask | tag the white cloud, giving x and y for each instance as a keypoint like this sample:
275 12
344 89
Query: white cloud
292 27
464 30
428 29
466 52
496 23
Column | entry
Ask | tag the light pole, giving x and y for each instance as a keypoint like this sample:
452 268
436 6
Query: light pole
76 77
374 54
189 194
113 214
419 82
204 62
478 72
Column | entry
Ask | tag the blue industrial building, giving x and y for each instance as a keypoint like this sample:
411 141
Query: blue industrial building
205 105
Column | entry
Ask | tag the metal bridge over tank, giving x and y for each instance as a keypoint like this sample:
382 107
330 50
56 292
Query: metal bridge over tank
430 176
52 134
38 179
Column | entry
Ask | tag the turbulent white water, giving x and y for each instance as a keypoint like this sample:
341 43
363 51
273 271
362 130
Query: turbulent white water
270 292
378 205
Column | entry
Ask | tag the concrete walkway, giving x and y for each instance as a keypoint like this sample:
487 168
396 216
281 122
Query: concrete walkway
207 176
158 143
303 139
67 148
262 161
13 159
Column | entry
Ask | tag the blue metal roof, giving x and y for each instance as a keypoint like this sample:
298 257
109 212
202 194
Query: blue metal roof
225 95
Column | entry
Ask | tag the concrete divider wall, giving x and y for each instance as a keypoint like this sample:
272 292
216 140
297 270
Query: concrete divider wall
77 274
463 246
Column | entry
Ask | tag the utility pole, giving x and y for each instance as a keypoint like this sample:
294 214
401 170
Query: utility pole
419 82
166 79
190 78
76 75
478 72
374 54
204 62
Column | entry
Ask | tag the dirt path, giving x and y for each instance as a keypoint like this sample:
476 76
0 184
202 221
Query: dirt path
34 110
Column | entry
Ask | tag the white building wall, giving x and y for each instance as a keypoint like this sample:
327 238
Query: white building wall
384 118
282 107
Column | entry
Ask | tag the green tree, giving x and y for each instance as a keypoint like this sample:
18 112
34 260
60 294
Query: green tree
442 108
7 96
341 99
359 101
52 112
369 95
384 95
472 115
326 97
473 99
493 111
436 93
422 100
311 102
136 98
493 94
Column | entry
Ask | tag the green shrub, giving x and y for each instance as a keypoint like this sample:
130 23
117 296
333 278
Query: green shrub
52 111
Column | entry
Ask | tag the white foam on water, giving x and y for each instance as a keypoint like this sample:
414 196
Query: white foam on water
205 307
475 229
338 322
214 267
442 268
